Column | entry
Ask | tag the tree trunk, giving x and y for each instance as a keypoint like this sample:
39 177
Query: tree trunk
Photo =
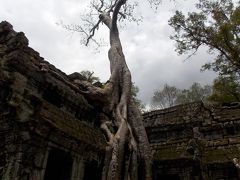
128 154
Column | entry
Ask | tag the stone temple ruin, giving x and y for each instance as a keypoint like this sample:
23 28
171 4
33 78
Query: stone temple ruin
49 130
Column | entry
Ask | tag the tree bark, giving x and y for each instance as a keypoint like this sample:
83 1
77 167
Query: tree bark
128 154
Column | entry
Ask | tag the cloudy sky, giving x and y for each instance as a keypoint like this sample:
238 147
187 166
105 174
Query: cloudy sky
149 51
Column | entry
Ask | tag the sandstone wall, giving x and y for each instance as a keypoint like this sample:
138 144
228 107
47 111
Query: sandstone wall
42 112
47 124
195 141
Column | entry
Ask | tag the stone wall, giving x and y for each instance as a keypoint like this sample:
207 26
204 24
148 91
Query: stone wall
194 141
46 123
49 130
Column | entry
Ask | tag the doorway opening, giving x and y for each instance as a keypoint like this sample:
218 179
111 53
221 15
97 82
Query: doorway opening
59 165
168 177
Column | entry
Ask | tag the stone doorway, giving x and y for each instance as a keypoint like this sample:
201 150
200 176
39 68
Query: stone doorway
59 165
92 171
168 177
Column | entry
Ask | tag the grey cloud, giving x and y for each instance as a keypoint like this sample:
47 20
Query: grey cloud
148 49
172 71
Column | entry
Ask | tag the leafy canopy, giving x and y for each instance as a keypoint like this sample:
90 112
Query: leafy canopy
215 24
171 95
226 89
165 97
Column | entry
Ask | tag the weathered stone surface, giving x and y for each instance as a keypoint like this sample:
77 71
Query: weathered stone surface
47 124
202 140
41 111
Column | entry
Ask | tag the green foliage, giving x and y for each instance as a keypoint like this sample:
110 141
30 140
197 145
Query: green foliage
170 95
138 102
88 76
196 92
216 24
226 89
166 97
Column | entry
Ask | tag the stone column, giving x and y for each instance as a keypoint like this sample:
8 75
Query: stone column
41 162
185 175
13 168
78 168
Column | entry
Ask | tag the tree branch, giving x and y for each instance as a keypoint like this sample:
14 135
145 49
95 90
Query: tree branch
106 19
92 32
115 14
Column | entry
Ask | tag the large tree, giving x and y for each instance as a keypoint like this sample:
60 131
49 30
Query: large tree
165 97
128 154
196 92
170 96
226 89
215 24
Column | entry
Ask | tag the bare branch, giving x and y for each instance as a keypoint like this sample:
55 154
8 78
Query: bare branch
112 6
92 32
102 11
